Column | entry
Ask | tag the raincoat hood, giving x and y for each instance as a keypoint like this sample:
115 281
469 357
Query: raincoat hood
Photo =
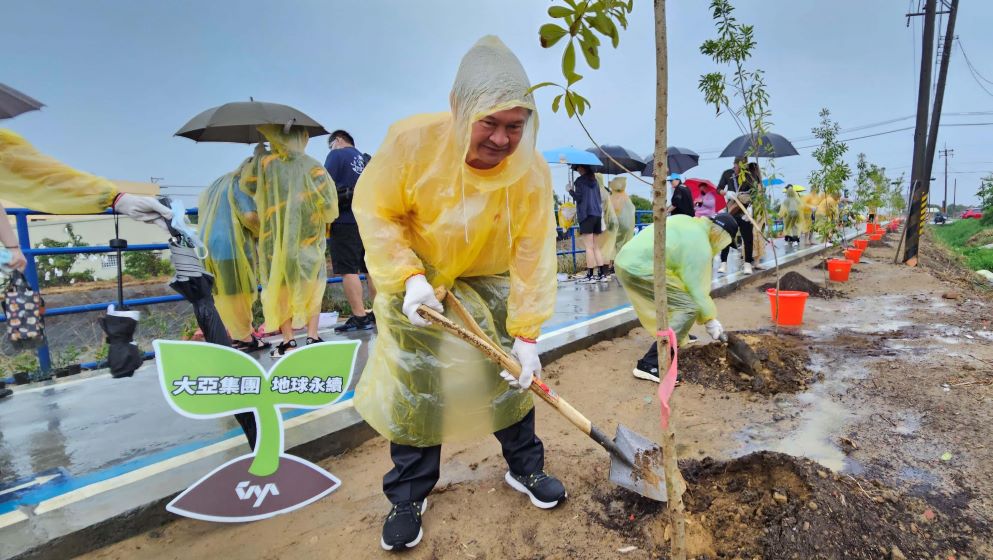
618 185
491 79
284 144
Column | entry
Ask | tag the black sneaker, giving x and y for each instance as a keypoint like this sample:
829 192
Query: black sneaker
282 349
402 528
355 324
646 370
544 490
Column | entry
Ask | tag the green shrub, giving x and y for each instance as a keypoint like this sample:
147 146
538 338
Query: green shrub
56 270
146 264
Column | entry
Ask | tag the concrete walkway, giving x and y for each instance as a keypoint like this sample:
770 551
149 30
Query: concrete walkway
76 453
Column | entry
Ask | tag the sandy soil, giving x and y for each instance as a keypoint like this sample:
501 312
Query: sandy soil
903 376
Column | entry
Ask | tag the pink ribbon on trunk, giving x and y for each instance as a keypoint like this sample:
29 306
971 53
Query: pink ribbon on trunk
668 383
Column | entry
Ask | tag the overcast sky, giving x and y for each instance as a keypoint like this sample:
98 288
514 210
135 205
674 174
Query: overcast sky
120 77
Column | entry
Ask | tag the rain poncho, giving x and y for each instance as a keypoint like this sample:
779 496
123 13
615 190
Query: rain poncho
489 235
43 183
793 214
827 211
567 215
608 238
295 198
690 247
226 214
625 211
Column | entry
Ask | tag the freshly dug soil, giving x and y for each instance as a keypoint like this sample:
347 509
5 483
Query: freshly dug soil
794 281
781 365
778 507
823 265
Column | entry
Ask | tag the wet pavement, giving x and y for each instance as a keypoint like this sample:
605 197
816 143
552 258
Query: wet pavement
96 426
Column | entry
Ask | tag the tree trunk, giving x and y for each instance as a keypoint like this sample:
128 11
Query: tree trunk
673 479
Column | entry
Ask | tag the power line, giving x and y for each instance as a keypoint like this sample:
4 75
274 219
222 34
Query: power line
979 78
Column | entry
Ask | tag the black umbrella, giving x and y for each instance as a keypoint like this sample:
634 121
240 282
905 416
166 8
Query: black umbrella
680 160
195 284
237 122
120 323
771 146
13 102
625 157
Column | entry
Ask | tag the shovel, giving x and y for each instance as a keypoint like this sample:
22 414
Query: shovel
635 461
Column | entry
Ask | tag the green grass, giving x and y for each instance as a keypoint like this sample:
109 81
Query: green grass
957 235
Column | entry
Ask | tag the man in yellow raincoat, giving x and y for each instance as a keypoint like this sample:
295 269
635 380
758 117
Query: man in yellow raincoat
794 215
296 199
42 183
690 247
459 199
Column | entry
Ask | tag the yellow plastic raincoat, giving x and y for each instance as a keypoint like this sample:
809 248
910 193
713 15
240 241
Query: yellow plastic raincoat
34 180
295 198
689 271
624 209
608 238
827 210
794 214
567 215
227 218
488 235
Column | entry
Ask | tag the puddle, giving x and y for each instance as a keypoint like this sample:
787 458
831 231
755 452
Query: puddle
818 422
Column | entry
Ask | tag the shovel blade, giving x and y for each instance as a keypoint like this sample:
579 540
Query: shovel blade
647 478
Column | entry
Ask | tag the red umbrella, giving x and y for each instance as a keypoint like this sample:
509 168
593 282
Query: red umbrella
700 187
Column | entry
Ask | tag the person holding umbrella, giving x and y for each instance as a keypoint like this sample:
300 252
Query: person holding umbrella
460 200
589 213
682 198
736 184
295 198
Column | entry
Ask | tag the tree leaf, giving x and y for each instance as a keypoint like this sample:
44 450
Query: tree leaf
559 11
590 53
570 108
551 34
556 102
536 87
569 64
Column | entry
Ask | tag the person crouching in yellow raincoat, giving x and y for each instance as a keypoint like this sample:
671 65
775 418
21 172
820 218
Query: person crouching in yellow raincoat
462 200
295 198
690 247
229 224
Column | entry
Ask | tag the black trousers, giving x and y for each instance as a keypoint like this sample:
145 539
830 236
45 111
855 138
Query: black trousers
747 237
416 469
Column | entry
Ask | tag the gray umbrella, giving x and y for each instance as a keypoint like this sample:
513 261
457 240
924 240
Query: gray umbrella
627 158
680 160
13 102
237 122
773 145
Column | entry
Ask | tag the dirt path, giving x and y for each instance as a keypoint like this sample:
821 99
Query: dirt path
900 377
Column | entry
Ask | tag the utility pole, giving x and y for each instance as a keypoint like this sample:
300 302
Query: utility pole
946 153
955 192
918 179
939 93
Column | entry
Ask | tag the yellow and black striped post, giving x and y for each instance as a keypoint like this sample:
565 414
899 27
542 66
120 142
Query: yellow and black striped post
916 218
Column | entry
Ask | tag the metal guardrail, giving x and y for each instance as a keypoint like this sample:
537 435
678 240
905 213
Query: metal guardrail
31 273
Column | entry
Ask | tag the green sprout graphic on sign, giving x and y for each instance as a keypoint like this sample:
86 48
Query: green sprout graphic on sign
201 380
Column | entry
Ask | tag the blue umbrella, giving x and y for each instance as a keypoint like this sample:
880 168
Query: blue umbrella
570 155
769 182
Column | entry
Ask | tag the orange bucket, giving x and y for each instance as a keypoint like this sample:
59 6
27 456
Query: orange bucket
853 255
791 306
875 236
870 227
839 269
861 244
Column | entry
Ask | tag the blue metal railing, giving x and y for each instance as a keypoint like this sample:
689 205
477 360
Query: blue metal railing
573 229
31 273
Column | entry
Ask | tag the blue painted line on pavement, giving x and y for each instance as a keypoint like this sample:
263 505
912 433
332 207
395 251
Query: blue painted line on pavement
35 496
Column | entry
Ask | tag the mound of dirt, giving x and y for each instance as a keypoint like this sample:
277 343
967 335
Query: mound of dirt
778 507
795 281
756 362
823 264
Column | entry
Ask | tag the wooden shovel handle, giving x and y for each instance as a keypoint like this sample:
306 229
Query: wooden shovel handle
496 353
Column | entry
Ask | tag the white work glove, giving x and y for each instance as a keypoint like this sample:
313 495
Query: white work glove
144 209
714 329
419 293
526 354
